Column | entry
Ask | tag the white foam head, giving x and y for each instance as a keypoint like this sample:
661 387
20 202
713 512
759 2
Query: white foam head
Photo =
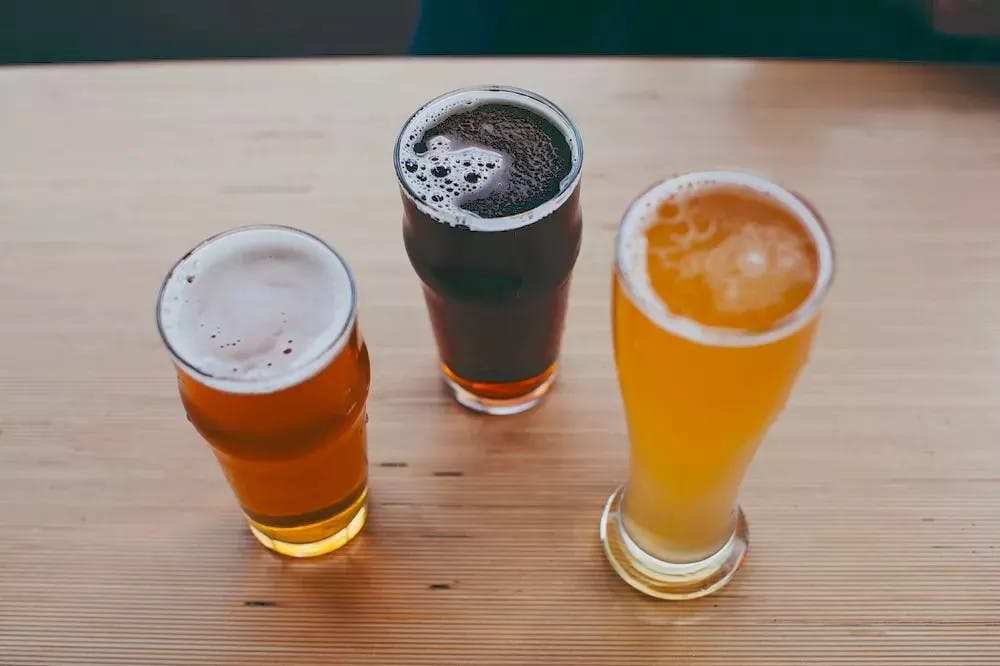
448 211
632 247
257 309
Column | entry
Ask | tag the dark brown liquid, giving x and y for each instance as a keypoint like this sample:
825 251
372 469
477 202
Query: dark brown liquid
497 299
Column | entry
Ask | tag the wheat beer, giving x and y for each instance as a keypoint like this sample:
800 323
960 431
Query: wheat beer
718 280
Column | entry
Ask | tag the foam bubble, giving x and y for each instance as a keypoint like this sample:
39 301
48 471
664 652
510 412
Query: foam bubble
735 260
491 144
257 309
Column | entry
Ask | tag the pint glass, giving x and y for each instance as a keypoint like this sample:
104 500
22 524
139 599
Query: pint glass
491 221
261 323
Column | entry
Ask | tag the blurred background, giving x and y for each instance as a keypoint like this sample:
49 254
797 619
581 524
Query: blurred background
42 31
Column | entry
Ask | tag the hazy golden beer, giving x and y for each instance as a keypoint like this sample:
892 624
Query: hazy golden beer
274 374
715 294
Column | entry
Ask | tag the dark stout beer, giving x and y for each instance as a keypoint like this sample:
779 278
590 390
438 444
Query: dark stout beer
490 183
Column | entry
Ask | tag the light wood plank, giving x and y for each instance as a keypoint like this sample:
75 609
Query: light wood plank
874 505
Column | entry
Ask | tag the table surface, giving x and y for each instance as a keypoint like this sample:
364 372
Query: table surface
873 504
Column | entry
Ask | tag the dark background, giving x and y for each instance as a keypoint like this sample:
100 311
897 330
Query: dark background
34 31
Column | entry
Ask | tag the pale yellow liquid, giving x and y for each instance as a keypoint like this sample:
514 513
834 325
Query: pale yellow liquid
697 412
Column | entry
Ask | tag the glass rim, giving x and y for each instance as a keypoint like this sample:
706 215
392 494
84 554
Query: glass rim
303 372
656 311
508 222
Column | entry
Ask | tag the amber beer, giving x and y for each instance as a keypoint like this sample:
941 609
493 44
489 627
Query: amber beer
718 282
491 222
274 374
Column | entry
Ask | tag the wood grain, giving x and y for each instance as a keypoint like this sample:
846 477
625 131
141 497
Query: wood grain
874 505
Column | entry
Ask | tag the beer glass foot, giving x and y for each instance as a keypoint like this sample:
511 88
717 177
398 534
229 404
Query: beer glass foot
345 524
665 580
499 406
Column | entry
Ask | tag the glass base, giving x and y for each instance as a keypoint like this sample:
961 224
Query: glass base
496 406
333 532
665 580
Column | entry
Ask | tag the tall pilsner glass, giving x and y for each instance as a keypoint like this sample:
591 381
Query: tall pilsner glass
717 288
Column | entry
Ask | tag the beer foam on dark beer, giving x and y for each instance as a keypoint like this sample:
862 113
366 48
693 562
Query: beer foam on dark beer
632 247
477 156
257 310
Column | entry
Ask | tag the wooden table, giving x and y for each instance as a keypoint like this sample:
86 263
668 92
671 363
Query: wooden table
874 505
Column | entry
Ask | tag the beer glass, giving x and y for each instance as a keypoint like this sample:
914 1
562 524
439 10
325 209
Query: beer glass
718 281
490 178
261 323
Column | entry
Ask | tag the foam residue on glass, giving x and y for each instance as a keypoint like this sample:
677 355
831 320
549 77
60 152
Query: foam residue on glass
257 309
632 253
458 174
